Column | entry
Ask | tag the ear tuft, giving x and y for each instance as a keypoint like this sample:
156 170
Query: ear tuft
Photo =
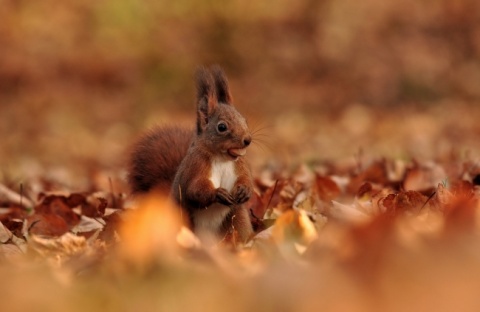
221 85
206 101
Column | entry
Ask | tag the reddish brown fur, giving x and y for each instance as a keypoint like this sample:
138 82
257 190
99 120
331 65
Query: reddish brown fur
193 190
239 220
156 156
170 158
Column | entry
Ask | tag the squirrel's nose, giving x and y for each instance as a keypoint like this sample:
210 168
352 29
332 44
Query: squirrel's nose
247 141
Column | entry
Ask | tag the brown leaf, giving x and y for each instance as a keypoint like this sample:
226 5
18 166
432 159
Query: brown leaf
375 173
46 224
257 224
281 195
365 188
13 219
256 206
75 200
112 223
102 205
423 178
14 225
388 204
56 205
94 207
325 188
72 200
90 211
271 198
409 201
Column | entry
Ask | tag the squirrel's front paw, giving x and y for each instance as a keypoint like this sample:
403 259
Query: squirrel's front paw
224 197
242 193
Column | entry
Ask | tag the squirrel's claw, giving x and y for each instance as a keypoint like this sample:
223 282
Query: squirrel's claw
242 193
224 197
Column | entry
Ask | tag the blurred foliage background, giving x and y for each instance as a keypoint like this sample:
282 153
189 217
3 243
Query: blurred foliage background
80 79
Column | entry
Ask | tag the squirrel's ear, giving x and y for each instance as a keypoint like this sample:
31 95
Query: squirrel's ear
206 101
221 85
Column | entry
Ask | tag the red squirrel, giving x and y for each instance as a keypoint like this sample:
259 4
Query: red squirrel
204 170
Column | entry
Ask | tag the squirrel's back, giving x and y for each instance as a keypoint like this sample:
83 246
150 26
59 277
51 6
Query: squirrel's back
155 157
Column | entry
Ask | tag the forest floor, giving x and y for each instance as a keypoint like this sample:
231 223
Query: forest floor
364 211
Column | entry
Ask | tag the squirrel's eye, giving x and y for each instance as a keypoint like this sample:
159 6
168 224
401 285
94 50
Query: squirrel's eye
222 127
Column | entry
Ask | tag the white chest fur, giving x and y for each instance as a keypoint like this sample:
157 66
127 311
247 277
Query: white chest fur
223 174
209 220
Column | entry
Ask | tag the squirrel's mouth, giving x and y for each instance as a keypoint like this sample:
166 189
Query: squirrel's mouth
237 152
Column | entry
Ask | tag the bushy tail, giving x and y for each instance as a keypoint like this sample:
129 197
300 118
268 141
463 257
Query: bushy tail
155 157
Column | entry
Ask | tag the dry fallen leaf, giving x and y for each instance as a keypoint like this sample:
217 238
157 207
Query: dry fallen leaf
376 173
423 177
60 248
149 231
46 224
294 226
58 207
325 188
347 213
5 234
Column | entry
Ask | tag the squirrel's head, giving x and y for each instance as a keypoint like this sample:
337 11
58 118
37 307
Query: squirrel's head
223 129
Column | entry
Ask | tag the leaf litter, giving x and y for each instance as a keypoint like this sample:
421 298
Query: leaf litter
357 231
